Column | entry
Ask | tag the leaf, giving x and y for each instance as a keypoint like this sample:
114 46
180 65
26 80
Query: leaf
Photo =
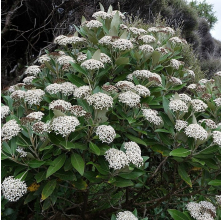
40 176
58 113
56 165
131 176
215 183
55 139
122 61
85 105
135 139
48 189
113 31
46 204
78 163
120 182
78 68
97 55
94 148
67 176
177 215
47 64
70 145
29 198
80 184
162 130
115 23
184 175
209 150
75 80
155 57
35 163
101 7
180 152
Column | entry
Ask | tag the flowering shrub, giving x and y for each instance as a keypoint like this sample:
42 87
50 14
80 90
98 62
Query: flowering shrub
111 121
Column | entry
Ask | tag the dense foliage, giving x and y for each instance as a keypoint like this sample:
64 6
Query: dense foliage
110 123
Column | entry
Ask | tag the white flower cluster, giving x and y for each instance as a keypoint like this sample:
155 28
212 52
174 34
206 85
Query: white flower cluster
21 152
185 98
203 81
153 29
60 40
100 101
81 57
60 103
196 131
4 111
217 137
137 31
129 98
67 88
175 81
142 90
180 124
190 73
123 27
152 116
28 80
93 24
101 14
64 40
124 85
202 211
33 70
105 58
133 153
162 50
168 30
126 215
117 159
82 92
192 86
122 44
198 105
44 58
217 101
10 129
110 88
175 63
35 115
40 127
178 105
218 197
13 189
64 125
77 110
116 11
177 40
146 48
34 97
218 74
106 40
64 60
209 123
18 94
53 88
92 64
106 133
147 39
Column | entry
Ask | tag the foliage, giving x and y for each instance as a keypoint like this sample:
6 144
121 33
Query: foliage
132 80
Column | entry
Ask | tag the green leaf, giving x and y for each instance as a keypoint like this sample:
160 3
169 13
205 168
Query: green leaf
55 139
48 189
78 163
40 176
177 215
67 176
163 130
78 68
46 204
35 163
131 176
115 23
47 64
101 7
70 145
122 60
85 105
209 150
180 152
97 55
29 198
135 139
184 175
155 57
75 80
94 148
58 113
56 165
215 183
120 182
113 31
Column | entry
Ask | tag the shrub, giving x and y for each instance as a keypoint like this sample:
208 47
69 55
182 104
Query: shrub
107 124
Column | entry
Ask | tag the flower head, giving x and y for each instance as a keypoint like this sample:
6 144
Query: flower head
4 111
34 96
152 116
142 90
178 105
93 24
77 110
198 105
82 92
180 124
44 58
129 98
35 115
126 215
106 133
10 129
147 39
21 152
53 88
146 48
40 127
65 60
122 44
105 58
196 131
28 80
92 64
185 98
124 85
175 63
33 70
67 88
217 101
13 189
137 31
217 137
101 14
175 81
60 103
209 123
106 40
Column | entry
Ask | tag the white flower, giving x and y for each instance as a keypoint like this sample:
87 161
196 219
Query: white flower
82 92
137 31
152 116
10 129
147 39
64 125
133 153
101 14
203 81
218 197
126 215
175 81
13 189
168 30
35 115
140 74
162 50
175 63
129 98
21 152
218 74
67 88
208 206
192 86
142 90
40 127
81 57
18 94
77 110
178 105
4 111
123 27
122 44
33 70
94 24
209 123
217 137
198 105
124 85
53 88
146 48
194 209
180 124
60 104
100 101
61 40
28 80
177 40
153 29
92 64
217 101
196 131
106 40
75 40
117 159
185 98
190 73
106 133
120 14
34 96
105 58
64 60
44 58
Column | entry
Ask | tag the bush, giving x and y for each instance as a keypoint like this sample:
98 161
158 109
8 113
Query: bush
101 126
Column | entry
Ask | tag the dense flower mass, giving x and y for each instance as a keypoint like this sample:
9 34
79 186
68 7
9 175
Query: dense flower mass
198 105
217 101
106 133
122 44
101 14
209 123
106 40
105 58
217 137
185 98
178 105
129 98
196 131
44 58
18 94
124 85
82 92
33 70
117 159
34 97
53 88
10 129
147 39
67 88
13 189
60 103
92 64
64 125
126 215
4 111
28 80
175 81
40 127
93 24
180 124
152 116
35 115
100 101
175 63
77 110
142 90
146 48
64 60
